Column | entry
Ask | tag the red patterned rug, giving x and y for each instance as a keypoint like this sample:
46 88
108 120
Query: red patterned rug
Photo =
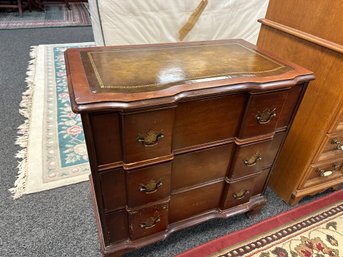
311 230
54 15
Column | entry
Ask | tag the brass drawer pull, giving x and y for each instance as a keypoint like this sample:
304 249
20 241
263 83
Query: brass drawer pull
241 194
266 116
252 161
151 187
151 138
338 144
151 222
327 173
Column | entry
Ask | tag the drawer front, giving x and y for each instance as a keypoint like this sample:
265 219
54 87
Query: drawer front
147 135
148 184
200 122
263 113
113 189
333 147
148 221
324 172
200 166
338 123
289 106
116 227
106 135
252 158
188 203
239 192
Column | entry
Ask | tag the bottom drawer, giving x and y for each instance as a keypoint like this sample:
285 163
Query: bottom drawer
148 220
116 227
321 173
185 204
239 192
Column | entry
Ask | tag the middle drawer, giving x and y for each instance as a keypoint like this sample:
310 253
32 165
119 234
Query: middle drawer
148 184
252 158
135 187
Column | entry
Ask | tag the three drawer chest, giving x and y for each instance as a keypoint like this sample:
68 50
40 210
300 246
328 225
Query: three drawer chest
179 133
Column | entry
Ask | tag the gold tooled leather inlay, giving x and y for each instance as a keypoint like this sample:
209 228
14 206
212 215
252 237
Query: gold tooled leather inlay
140 69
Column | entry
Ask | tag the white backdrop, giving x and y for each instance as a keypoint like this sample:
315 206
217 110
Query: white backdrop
118 22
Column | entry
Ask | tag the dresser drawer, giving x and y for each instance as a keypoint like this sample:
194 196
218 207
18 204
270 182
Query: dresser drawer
147 134
106 137
116 226
252 158
263 113
148 184
333 147
321 173
148 221
338 123
185 204
113 189
239 192
209 120
198 167
289 106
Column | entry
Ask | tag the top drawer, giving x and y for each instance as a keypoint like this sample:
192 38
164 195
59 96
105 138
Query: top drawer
147 135
333 147
208 120
338 123
263 113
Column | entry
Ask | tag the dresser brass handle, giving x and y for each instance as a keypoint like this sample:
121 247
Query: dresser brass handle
241 194
151 222
266 116
151 138
151 187
327 173
252 161
338 144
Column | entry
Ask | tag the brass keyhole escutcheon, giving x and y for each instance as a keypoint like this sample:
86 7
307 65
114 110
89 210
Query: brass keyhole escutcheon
265 116
151 138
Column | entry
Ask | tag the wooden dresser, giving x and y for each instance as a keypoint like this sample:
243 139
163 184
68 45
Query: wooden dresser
310 35
181 133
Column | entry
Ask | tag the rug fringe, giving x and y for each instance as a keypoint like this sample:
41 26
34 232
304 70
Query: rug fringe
23 130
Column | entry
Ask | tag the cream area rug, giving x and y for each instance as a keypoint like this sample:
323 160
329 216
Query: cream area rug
53 151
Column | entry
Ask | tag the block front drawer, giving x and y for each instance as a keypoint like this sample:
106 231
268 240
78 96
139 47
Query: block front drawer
185 204
148 184
113 189
200 122
116 226
238 192
252 158
263 113
197 167
147 135
106 137
148 220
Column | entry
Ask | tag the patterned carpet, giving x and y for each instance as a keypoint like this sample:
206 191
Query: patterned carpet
312 230
53 150
55 15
